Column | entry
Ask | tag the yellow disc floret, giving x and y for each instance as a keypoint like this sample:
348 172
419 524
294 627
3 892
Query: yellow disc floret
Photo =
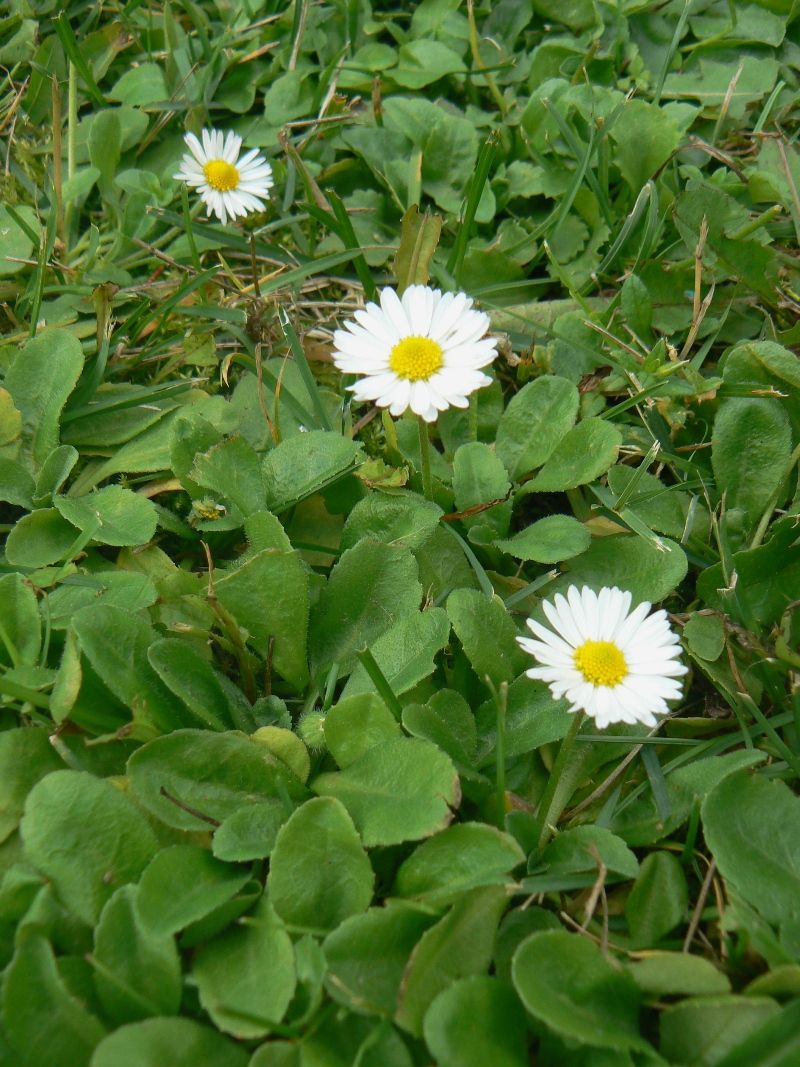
415 358
601 663
221 175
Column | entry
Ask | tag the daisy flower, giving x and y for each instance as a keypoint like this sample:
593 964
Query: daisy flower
615 664
422 351
229 186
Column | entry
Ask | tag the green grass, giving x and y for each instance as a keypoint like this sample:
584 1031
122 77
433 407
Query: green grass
274 788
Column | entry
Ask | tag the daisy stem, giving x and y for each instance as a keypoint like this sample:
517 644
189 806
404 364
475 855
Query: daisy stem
187 219
425 456
501 705
473 417
379 680
549 807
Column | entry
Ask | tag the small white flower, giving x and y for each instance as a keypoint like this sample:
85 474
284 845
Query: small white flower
615 664
229 186
423 351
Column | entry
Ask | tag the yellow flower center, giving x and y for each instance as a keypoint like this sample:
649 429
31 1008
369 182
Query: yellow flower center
415 358
221 175
601 663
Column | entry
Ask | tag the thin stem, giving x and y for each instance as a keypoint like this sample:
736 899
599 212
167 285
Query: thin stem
24 693
72 137
330 687
475 49
187 220
425 456
57 172
380 682
547 809
501 706
473 417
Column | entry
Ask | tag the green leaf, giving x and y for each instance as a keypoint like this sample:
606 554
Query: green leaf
87 837
583 454
533 423
577 15
458 859
701 1031
370 587
319 873
46 1025
419 238
630 563
641 823
459 945
246 976
250 833
408 520
177 1042
447 721
709 81
405 653
776 1043
10 419
288 747
39 539
41 377
748 260
206 884
345 1038
16 242
488 635
268 596
55 471
211 774
550 540
533 718
645 137
114 515
399 791
660 974
421 62
20 625
768 579
567 983
116 643
26 756
303 465
121 589
704 633
232 469
479 477
761 361
367 956
752 826
193 680
751 444
288 97
140 972
577 850
476 1021
658 900
16 484
355 725
664 509
105 146
140 86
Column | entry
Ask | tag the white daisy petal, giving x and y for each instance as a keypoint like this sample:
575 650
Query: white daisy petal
431 343
616 665
229 186
393 309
